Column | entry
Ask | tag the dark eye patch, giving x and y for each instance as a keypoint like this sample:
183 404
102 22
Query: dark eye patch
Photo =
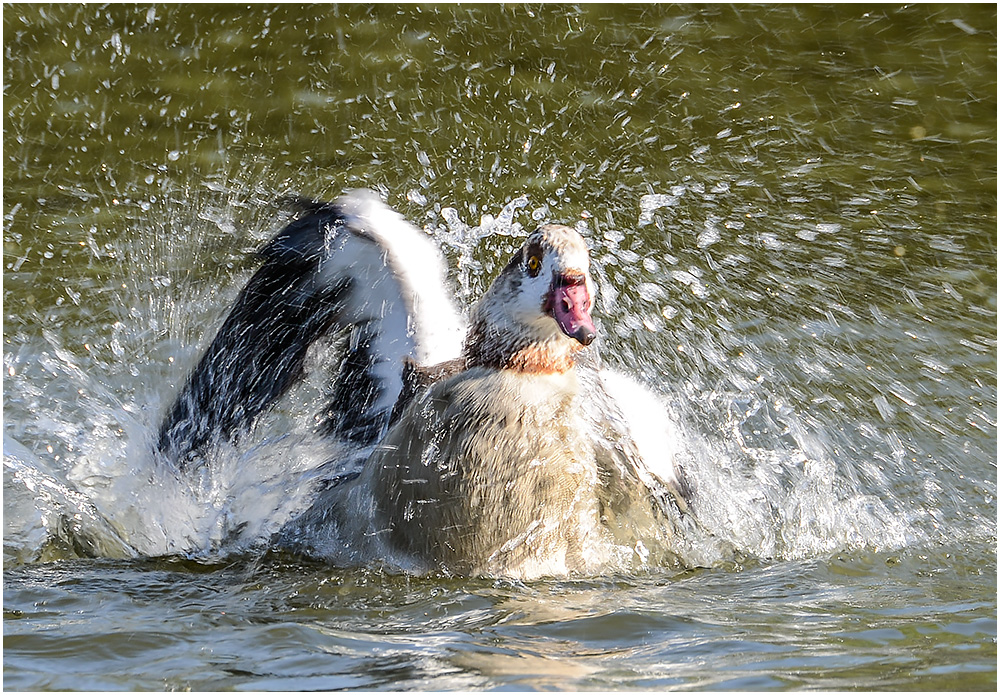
533 255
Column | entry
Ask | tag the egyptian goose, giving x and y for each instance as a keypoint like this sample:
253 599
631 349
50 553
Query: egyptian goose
500 448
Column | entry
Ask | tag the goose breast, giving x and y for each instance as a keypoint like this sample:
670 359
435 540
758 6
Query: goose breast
488 471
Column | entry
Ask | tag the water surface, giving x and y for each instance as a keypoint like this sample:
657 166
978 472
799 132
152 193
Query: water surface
792 215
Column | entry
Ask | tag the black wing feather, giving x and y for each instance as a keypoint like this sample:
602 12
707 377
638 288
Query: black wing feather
260 349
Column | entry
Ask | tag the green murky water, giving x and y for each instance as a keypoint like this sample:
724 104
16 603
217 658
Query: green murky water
792 214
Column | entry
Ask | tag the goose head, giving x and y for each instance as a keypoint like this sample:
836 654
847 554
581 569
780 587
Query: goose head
536 314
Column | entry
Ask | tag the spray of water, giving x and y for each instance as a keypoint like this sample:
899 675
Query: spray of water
766 484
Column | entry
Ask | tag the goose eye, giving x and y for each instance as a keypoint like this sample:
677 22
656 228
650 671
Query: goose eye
534 265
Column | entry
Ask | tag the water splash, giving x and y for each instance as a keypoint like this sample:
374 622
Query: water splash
768 483
460 240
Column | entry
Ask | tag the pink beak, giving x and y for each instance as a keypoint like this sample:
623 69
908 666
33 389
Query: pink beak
569 304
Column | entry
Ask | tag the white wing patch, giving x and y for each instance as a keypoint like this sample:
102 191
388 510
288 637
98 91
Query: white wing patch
419 271
649 426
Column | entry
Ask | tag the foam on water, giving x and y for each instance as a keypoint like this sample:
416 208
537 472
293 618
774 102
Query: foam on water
778 494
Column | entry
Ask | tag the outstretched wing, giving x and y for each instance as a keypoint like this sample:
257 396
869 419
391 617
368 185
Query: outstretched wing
634 438
350 265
